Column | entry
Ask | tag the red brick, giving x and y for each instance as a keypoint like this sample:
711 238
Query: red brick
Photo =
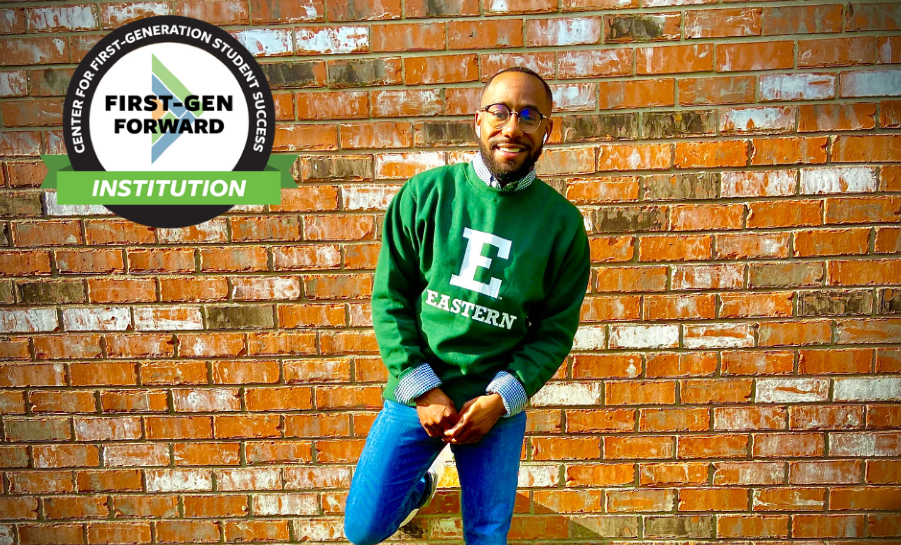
740 57
640 500
179 427
109 480
785 214
674 420
795 444
726 153
865 498
828 526
267 452
675 59
636 94
219 505
62 401
145 400
591 474
17 51
58 534
734 526
595 63
675 248
863 210
332 105
631 279
441 69
875 148
296 137
541 62
751 305
69 507
232 259
788 151
218 12
802 19
279 398
245 372
637 447
204 454
703 217
713 499
883 471
836 52
884 16
679 307
836 117
717 23
824 472
748 473
715 391
752 246
356 10
463 34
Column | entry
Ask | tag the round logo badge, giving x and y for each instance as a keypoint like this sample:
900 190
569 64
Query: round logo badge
177 103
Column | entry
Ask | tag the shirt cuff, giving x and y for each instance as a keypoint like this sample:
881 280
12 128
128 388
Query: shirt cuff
511 391
415 383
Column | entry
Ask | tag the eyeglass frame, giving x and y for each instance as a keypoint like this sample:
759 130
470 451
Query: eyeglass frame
516 113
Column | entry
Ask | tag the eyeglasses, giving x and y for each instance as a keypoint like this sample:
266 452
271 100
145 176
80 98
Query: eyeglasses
499 115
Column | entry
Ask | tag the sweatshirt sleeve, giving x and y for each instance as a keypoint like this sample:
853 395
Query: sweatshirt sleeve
554 323
396 288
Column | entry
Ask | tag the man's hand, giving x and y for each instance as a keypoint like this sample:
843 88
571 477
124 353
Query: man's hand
436 412
476 419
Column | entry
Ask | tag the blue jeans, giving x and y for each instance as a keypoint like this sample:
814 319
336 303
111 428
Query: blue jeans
389 479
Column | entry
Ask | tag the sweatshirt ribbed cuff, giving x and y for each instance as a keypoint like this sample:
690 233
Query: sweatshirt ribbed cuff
511 391
415 383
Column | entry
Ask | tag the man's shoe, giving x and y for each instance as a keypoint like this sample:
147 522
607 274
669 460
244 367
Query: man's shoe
433 475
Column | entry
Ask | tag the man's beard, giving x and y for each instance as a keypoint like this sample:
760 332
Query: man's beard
504 174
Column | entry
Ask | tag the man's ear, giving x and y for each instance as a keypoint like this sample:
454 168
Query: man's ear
478 126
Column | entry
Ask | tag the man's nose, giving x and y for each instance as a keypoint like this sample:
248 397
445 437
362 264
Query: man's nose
512 128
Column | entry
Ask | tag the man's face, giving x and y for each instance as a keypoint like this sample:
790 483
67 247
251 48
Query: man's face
508 151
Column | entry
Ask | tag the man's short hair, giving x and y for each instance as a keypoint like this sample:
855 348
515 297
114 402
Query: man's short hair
522 70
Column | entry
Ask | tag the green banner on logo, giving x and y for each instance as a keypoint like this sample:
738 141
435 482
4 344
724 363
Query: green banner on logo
168 187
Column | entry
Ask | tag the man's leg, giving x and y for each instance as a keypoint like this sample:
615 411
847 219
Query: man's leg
388 481
488 474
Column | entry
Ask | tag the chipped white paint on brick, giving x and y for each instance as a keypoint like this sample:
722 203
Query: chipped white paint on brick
332 40
568 394
266 42
586 63
821 181
740 419
873 83
248 479
792 390
136 455
6 535
664 3
269 505
756 120
586 219
868 389
797 86
537 63
644 336
52 208
28 320
325 256
590 337
127 12
266 288
368 197
13 84
718 336
820 472
68 18
214 230
107 429
538 475
206 400
498 5
704 277
795 498
319 529
179 480
750 472
775 183
410 163
96 319
304 478
574 31
150 319
576 96
865 443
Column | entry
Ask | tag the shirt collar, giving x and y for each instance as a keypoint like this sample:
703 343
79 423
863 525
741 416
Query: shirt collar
478 164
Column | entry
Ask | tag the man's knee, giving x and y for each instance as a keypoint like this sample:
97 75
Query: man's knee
364 530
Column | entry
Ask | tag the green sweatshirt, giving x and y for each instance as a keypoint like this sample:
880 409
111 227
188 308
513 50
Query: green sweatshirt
473 280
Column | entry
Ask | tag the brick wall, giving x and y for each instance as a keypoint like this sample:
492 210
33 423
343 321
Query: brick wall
738 371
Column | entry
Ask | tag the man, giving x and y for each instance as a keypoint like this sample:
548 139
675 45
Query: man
476 300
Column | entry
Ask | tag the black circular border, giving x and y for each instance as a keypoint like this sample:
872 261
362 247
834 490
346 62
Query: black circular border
168 215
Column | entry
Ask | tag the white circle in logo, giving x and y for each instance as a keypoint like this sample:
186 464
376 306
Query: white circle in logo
180 70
